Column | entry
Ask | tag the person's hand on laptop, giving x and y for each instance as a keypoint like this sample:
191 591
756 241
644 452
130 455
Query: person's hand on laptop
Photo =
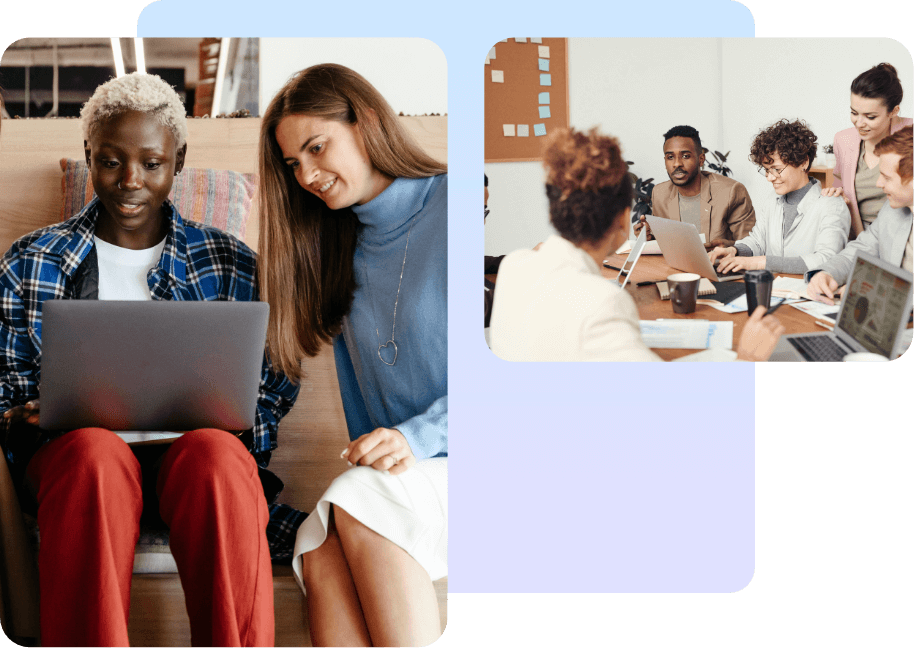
382 449
824 288
732 264
759 337
639 225
27 413
721 253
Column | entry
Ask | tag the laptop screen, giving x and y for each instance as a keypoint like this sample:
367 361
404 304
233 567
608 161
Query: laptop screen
873 307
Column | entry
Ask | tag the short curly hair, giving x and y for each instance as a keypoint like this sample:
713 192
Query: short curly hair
587 183
146 93
793 141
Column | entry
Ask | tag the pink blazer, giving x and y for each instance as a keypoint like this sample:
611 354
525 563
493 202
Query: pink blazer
847 152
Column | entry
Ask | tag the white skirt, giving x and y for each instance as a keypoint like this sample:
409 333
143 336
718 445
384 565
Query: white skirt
409 509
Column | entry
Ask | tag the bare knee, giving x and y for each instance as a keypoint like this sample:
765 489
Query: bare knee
325 559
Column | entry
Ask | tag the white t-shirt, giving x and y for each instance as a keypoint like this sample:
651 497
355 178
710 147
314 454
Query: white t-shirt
122 272
122 276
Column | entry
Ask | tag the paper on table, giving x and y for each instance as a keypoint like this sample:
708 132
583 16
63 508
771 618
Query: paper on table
677 333
817 309
508 130
543 51
789 287
523 130
498 76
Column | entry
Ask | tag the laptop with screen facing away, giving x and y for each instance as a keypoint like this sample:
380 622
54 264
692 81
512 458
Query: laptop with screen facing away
151 365
874 311
682 248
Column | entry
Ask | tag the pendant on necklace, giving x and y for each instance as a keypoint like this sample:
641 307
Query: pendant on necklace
387 353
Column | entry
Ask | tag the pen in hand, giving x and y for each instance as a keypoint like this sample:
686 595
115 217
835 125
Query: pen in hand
776 306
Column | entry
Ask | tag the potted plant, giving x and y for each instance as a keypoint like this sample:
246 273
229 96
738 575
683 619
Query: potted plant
829 155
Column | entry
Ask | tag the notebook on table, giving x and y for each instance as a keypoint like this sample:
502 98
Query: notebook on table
159 365
873 314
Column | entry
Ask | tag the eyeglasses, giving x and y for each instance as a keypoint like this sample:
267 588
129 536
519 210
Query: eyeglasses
762 171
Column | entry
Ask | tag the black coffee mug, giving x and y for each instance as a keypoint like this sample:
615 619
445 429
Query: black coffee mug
758 289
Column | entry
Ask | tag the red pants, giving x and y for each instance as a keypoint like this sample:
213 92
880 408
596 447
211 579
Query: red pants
88 487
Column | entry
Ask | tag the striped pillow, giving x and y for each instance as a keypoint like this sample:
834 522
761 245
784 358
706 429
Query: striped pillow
209 196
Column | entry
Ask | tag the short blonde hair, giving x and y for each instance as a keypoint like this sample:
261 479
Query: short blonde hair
146 93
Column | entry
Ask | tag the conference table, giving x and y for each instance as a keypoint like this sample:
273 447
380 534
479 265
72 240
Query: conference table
652 267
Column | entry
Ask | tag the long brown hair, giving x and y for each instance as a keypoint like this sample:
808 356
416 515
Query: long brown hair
305 269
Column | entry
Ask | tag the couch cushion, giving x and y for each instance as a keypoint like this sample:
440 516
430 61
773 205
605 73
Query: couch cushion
210 196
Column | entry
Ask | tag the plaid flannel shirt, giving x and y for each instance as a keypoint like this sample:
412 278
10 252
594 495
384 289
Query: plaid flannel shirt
199 263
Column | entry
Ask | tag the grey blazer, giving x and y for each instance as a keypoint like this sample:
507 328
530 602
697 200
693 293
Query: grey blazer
886 238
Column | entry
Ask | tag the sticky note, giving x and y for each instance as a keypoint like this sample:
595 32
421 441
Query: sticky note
544 51
498 76
536 40
544 97
487 60
545 79
508 129
539 129
520 40
544 112
544 65
523 130
492 53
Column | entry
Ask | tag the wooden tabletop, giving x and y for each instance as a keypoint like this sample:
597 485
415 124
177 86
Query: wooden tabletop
650 307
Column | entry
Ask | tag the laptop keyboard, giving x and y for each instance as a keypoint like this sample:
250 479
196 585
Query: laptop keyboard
819 348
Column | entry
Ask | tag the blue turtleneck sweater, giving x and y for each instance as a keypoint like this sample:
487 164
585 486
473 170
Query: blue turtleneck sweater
410 395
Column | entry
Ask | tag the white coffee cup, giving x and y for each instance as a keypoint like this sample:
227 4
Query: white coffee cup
863 356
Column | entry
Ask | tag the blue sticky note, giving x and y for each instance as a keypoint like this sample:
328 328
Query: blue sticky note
546 79
539 129
544 97
544 64
544 112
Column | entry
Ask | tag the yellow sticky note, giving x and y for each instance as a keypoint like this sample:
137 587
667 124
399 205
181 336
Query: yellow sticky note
508 129
544 51
498 76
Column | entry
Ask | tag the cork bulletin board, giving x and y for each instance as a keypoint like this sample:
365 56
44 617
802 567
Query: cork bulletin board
526 96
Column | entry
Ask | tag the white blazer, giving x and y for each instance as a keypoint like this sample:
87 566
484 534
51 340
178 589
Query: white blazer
817 234
554 305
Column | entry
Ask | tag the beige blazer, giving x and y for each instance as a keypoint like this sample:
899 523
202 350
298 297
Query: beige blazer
726 211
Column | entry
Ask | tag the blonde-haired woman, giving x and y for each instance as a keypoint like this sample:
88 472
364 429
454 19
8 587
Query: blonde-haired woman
553 304
354 250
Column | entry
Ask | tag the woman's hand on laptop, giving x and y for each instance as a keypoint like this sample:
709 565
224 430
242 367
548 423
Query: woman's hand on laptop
760 336
27 413
382 449
721 253
822 288
740 264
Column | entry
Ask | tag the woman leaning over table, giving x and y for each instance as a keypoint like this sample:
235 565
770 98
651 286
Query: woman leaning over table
875 100
553 304
354 250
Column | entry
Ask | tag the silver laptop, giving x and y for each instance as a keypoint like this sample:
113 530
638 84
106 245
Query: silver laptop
682 248
874 312
159 365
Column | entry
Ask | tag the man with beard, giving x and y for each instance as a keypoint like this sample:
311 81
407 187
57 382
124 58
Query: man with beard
719 207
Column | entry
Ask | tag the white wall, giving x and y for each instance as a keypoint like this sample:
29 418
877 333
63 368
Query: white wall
729 89
767 79
411 73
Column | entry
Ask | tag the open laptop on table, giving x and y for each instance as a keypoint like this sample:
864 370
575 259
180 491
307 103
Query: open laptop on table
873 314
159 365
682 248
